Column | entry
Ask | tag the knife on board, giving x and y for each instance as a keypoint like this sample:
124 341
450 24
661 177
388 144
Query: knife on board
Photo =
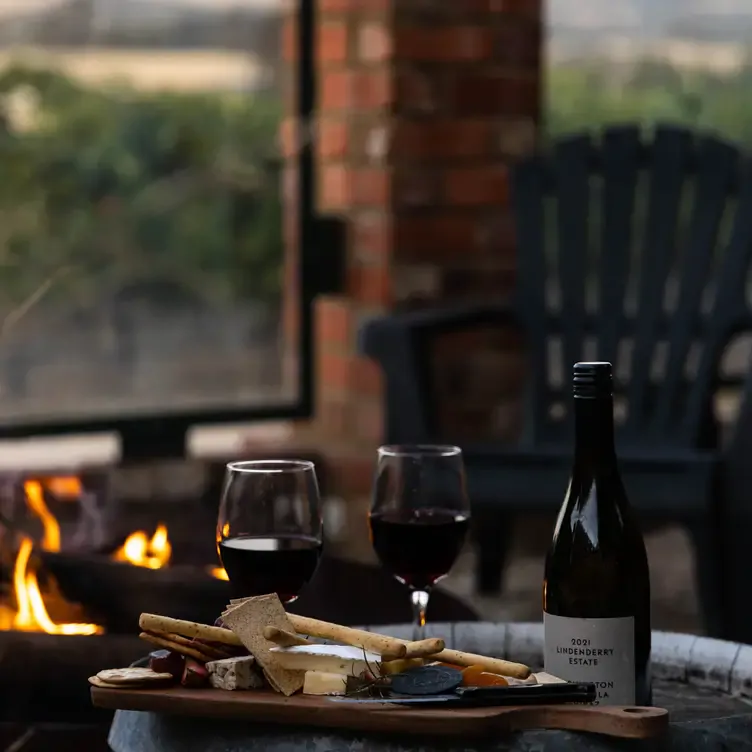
479 697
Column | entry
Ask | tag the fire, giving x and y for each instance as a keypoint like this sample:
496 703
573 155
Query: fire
31 614
219 572
65 487
142 551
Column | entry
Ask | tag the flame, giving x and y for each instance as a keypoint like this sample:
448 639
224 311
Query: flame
31 613
142 551
65 487
35 501
219 573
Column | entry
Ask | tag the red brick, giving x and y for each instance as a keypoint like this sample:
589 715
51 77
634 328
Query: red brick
331 42
374 42
371 235
371 186
418 91
477 185
334 322
436 139
530 8
288 137
443 43
333 139
367 377
518 43
370 284
333 415
353 476
372 89
290 38
335 90
334 187
478 283
415 188
368 421
335 6
334 370
437 237
491 93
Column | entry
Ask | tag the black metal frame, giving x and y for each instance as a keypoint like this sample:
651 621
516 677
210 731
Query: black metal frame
154 435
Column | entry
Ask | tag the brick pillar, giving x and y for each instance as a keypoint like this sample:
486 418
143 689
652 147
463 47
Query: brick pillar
422 104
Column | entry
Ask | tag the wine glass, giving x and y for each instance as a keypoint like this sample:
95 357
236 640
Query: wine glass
419 517
269 528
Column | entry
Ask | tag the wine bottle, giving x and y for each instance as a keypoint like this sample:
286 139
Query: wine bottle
596 591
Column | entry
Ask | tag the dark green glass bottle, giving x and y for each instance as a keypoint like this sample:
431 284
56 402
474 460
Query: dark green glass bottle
596 591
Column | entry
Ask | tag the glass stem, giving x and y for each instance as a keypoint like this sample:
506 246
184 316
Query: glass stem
420 603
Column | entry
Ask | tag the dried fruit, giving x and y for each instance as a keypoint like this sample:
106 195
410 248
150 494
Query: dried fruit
166 661
475 676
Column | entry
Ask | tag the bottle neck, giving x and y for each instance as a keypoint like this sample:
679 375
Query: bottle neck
594 432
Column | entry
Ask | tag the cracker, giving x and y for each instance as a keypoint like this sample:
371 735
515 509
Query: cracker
141 685
248 621
133 675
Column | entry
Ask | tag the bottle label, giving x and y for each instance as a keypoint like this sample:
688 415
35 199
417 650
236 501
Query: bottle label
593 650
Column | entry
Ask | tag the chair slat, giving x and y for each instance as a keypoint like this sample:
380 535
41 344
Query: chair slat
620 158
571 169
729 305
531 181
672 153
716 167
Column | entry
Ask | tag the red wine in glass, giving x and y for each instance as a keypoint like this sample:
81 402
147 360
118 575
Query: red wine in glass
257 565
419 515
269 527
418 546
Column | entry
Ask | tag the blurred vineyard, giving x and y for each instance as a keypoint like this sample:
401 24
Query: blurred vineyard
106 188
593 93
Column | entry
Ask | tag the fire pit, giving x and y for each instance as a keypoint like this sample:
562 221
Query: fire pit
70 599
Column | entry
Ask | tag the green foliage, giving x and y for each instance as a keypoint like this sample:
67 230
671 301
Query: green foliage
118 186
593 94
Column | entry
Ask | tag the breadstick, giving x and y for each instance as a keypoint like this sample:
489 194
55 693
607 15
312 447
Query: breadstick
492 665
388 648
156 623
215 653
283 638
175 647
424 648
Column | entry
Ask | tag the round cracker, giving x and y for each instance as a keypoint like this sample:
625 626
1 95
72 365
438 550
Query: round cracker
104 685
132 676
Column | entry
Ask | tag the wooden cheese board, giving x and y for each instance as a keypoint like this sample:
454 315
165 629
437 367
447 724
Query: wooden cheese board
304 710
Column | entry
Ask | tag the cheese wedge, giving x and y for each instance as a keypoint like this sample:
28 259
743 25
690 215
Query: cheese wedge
235 673
329 659
320 683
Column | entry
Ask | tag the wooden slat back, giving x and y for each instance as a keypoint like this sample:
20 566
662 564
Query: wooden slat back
633 249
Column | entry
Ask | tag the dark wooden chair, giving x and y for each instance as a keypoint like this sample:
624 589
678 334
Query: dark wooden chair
631 249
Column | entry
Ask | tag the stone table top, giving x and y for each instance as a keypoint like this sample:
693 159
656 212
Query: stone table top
705 684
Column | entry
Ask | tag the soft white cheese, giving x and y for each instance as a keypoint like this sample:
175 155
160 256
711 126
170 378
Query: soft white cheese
235 673
328 659
319 683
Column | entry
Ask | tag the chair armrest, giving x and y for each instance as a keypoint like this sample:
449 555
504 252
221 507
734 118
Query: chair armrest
400 344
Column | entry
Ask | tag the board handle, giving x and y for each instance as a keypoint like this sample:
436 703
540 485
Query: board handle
624 722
